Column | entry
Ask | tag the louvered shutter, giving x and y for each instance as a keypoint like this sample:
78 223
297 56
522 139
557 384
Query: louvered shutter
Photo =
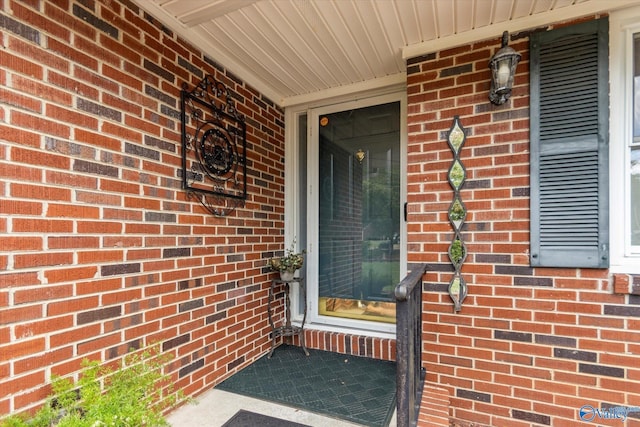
569 146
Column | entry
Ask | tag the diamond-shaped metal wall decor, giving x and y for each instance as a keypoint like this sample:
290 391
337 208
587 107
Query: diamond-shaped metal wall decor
457 214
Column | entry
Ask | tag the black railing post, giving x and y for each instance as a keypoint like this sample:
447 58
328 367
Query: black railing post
409 372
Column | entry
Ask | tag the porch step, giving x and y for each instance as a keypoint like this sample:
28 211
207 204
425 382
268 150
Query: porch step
434 406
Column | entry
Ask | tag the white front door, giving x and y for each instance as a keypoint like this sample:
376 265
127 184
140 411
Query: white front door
355 228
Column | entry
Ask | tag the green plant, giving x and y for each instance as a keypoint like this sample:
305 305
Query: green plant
133 395
457 212
291 261
456 175
456 251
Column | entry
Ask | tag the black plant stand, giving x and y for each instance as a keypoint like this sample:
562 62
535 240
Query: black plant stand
287 329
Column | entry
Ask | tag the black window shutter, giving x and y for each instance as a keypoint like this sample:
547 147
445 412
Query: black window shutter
569 146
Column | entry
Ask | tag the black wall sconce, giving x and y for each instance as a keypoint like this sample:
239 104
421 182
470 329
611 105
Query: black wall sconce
503 68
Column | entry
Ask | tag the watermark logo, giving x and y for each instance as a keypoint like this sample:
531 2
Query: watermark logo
589 413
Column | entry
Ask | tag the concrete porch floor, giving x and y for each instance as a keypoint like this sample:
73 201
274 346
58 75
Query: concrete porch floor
215 407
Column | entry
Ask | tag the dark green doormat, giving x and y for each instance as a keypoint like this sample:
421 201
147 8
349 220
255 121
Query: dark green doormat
356 389
244 418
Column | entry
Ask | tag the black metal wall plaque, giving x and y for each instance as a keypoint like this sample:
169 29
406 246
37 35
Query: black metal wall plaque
214 143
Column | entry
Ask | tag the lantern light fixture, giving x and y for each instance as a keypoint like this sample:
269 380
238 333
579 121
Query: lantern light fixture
503 68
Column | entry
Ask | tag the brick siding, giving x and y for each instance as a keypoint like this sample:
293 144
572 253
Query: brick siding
531 346
100 249
434 406
337 342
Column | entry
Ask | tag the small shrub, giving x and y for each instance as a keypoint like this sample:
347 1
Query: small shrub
134 395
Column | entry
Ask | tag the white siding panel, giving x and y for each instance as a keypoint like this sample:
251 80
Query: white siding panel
299 23
446 17
427 20
344 36
483 13
284 46
236 47
464 15
408 20
503 11
293 48
379 38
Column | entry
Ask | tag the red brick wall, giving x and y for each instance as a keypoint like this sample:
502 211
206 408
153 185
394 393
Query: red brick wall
377 348
100 249
531 345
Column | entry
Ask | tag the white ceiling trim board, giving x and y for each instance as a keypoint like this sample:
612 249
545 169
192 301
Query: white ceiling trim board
209 10
394 82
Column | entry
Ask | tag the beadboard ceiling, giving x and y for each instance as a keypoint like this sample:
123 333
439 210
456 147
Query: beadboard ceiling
297 51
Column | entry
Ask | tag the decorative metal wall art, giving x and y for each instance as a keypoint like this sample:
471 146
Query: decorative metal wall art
214 143
457 214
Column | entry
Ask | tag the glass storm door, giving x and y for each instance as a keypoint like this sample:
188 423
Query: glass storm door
356 157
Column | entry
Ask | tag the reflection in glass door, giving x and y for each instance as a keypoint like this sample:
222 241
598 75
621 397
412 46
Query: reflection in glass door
359 202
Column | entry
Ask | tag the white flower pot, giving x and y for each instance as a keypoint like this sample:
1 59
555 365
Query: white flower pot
287 275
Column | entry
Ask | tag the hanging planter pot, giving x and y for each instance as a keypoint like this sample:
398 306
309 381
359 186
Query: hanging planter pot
288 264
287 275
